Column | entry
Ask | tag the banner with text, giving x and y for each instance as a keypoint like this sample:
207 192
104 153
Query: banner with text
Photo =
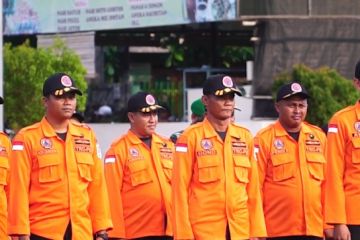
54 16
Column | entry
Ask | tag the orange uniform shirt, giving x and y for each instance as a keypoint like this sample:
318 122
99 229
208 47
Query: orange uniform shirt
138 180
343 154
215 184
292 179
53 182
5 148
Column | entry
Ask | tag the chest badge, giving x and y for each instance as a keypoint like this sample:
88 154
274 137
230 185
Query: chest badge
279 144
206 144
46 143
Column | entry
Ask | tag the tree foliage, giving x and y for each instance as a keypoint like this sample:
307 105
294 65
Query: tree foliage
26 69
329 91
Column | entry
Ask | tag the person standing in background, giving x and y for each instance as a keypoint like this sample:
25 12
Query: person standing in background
138 169
197 115
57 185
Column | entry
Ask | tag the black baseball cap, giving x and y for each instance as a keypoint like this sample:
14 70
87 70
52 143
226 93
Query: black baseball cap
357 70
219 85
58 84
291 89
142 102
1 100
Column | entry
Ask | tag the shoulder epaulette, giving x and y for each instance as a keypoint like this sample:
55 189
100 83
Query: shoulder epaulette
117 140
30 127
265 129
313 126
163 138
240 126
347 109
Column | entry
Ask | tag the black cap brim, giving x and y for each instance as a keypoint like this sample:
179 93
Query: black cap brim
1 100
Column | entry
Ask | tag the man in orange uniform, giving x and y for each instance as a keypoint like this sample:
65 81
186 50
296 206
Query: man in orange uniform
5 148
291 163
342 201
215 181
57 184
138 170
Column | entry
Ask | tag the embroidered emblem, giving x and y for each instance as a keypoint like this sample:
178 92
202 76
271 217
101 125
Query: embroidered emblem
66 81
227 82
357 126
150 100
279 144
206 144
295 87
134 152
46 143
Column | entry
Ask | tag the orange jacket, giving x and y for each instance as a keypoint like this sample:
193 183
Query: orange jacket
215 184
5 149
53 182
138 181
292 179
343 154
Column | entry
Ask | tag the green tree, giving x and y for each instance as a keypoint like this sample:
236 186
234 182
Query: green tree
25 70
329 91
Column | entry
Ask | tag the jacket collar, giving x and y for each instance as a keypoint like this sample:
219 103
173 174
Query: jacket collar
211 132
49 131
280 131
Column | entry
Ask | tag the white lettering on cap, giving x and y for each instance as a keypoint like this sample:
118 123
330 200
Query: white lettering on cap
227 81
295 87
150 99
66 81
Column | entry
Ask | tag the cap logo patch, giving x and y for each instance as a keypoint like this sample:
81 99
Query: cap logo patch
227 82
66 81
150 100
295 87
46 143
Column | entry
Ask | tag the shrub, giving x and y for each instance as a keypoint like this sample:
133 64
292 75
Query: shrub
25 70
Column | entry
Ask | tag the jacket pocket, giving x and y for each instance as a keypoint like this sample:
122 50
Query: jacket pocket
139 172
85 162
4 168
355 154
208 169
316 163
49 168
167 168
283 167
241 168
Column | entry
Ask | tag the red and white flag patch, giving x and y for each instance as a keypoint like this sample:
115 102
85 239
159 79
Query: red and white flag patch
109 158
181 147
17 146
333 128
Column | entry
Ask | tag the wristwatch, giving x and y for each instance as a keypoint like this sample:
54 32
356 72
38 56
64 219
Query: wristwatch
101 234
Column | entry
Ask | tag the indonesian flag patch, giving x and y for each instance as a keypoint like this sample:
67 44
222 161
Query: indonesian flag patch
109 158
333 128
181 147
18 146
